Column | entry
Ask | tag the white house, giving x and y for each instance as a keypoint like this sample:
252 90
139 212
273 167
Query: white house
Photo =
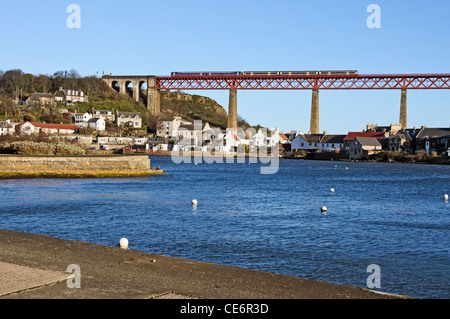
230 141
106 114
130 119
28 128
277 138
35 127
6 128
193 133
98 124
260 138
330 143
63 95
168 126
81 119
307 142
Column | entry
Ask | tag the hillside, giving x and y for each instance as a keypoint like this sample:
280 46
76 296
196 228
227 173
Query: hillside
191 107
16 85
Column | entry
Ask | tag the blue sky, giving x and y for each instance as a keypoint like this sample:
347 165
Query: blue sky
158 37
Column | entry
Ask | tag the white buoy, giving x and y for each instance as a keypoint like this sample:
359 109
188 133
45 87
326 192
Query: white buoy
445 196
323 209
123 243
194 202
332 190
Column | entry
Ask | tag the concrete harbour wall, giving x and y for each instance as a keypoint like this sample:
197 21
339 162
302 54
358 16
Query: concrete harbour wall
15 166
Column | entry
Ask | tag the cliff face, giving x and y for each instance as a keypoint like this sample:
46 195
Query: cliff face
192 107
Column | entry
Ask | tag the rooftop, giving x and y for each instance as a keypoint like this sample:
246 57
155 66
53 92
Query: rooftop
352 135
433 132
368 141
337 139
57 126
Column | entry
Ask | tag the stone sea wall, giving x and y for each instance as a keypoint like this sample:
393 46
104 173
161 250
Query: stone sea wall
15 166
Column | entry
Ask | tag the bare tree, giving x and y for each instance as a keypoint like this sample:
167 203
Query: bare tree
13 82
44 82
7 106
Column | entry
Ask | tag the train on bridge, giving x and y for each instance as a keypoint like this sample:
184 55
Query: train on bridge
327 72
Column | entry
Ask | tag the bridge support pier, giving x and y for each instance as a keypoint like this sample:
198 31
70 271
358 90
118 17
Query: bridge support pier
403 113
314 122
122 89
232 110
153 97
136 92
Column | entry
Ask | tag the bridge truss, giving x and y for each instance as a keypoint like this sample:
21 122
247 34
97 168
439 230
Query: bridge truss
299 82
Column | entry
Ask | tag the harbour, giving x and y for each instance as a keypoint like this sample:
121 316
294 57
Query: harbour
387 214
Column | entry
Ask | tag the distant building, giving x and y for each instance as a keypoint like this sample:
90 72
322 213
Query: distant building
352 135
429 139
67 96
260 138
106 114
318 142
192 134
277 138
68 115
168 126
226 141
331 143
390 130
40 99
81 119
308 142
443 145
129 119
400 142
362 147
98 124
27 128
35 127
6 128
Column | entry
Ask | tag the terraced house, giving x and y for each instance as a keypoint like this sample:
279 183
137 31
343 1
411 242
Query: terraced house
129 119
70 96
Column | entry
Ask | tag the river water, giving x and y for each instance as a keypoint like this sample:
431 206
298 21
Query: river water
390 215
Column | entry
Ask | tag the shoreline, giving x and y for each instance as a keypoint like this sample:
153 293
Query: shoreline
115 273
18 166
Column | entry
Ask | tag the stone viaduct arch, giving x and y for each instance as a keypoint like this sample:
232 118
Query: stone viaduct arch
133 85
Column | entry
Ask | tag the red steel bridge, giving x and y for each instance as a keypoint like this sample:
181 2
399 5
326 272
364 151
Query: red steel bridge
314 82
298 82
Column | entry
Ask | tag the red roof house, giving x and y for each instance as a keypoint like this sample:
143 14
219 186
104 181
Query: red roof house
352 135
55 128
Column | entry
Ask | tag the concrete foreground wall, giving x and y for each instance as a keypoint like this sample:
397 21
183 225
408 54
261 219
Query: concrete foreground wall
75 166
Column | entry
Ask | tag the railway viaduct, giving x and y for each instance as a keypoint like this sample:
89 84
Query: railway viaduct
401 82
134 85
